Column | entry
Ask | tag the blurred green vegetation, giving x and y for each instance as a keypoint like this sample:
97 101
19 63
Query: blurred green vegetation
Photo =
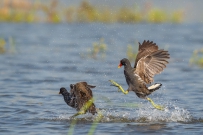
128 15
10 45
98 50
2 46
132 51
82 110
177 16
157 16
55 12
197 58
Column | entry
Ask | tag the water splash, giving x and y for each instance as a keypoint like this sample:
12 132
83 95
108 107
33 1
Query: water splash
142 112
170 114
146 113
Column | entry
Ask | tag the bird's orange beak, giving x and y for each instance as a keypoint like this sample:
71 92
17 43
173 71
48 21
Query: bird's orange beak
59 92
120 65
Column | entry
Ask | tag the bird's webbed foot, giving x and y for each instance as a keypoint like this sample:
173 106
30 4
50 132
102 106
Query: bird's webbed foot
159 107
120 88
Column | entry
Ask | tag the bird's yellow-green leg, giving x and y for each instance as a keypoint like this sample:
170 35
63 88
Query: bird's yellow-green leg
120 88
155 105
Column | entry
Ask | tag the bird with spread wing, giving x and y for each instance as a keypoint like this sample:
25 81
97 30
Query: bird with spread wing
150 61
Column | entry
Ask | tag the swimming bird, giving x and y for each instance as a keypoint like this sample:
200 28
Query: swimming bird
80 97
150 61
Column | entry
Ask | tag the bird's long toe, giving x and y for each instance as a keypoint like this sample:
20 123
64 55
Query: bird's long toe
159 107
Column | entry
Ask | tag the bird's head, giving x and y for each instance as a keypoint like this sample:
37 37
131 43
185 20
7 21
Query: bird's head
62 90
123 62
72 87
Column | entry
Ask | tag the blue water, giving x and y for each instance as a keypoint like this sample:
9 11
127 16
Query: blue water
45 57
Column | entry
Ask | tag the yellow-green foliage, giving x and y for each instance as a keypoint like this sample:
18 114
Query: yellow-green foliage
2 45
132 52
98 50
10 48
157 16
4 14
55 12
27 11
128 15
107 16
51 11
69 14
17 11
197 58
177 16
83 109
87 13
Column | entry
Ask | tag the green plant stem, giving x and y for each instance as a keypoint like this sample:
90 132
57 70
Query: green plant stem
95 123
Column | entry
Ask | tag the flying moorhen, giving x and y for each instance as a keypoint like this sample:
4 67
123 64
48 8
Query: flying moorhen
80 97
149 62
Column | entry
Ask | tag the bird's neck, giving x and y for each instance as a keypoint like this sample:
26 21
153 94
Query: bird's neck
127 67
65 93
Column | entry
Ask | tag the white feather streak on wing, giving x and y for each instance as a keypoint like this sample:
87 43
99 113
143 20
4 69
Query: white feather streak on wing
139 78
140 60
153 67
148 71
148 68
154 86
140 93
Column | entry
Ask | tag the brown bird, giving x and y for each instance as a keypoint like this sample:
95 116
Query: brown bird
149 62
80 97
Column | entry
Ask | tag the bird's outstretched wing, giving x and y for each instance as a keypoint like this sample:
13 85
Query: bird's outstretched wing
145 49
151 64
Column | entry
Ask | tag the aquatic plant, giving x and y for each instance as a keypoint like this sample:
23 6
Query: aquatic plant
87 12
69 14
16 11
98 50
157 16
2 45
28 11
197 58
56 12
11 48
107 16
177 16
12 45
95 122
51 12
132 52
128 15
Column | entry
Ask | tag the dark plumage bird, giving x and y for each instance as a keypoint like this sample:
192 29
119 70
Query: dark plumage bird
68 98
80 97
149 62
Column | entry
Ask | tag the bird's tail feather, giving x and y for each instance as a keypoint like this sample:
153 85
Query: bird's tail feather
154 87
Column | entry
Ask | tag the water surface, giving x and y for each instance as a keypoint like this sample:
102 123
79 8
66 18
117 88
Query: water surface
46 57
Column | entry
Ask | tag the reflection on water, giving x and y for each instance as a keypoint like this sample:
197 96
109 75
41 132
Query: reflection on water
48 57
